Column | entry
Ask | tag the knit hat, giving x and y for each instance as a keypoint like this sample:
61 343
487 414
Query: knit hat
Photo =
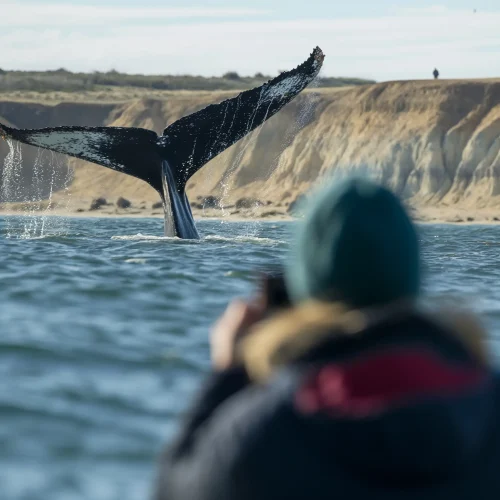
358 245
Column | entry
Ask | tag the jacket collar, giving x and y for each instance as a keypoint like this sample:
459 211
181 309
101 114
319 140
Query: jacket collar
291 334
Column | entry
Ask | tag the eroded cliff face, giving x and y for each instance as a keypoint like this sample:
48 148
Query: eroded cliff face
433 142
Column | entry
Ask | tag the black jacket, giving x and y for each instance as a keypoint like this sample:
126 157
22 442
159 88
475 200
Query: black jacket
402 410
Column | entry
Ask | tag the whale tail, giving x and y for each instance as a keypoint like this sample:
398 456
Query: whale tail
194 140
187 144
133 151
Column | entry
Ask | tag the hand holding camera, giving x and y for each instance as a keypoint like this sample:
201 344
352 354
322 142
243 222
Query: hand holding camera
241 315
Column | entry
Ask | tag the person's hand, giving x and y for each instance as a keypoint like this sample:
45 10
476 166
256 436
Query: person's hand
230 328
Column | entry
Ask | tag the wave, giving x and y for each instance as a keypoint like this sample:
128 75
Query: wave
209 238
245 239
150 237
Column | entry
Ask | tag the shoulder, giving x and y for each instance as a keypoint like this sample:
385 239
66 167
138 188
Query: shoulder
495 378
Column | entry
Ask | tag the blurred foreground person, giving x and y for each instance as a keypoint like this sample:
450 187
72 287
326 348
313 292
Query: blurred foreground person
356 391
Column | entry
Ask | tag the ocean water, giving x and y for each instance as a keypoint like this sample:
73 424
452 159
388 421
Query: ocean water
105 328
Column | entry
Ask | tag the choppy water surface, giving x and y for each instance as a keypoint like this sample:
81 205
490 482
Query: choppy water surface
105 337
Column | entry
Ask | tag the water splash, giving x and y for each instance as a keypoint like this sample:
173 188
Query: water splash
245 239
207 239
12 171
34 219
305 113
147 237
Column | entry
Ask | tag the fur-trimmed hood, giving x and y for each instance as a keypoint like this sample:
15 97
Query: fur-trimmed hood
288 335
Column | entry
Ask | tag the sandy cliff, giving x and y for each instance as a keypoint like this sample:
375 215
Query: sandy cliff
435 142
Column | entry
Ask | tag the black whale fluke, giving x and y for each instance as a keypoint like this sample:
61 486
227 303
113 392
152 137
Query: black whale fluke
194 140
167 162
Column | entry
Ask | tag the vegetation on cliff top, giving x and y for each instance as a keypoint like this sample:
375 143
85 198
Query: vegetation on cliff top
63 80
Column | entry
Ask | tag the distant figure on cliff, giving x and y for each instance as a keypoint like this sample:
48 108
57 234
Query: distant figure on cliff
436 74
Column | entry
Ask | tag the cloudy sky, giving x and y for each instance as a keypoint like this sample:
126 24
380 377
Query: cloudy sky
379 39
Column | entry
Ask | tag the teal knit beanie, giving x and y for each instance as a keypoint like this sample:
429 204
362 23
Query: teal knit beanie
357 244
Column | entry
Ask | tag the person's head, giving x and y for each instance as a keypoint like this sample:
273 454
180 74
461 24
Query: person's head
357 245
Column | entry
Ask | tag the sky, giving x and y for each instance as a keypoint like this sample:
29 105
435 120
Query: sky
376 39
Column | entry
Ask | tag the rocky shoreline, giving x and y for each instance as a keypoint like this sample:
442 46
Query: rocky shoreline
211 207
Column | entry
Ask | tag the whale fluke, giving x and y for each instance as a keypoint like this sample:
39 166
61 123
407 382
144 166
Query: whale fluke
133 151
167 162
194 140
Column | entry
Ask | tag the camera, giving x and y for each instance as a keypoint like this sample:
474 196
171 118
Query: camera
273 290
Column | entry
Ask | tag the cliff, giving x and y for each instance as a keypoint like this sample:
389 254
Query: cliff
435 143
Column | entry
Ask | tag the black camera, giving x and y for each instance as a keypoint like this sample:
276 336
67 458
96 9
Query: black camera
273 290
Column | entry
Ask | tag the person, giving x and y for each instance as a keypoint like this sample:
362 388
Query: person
356 390
435 73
